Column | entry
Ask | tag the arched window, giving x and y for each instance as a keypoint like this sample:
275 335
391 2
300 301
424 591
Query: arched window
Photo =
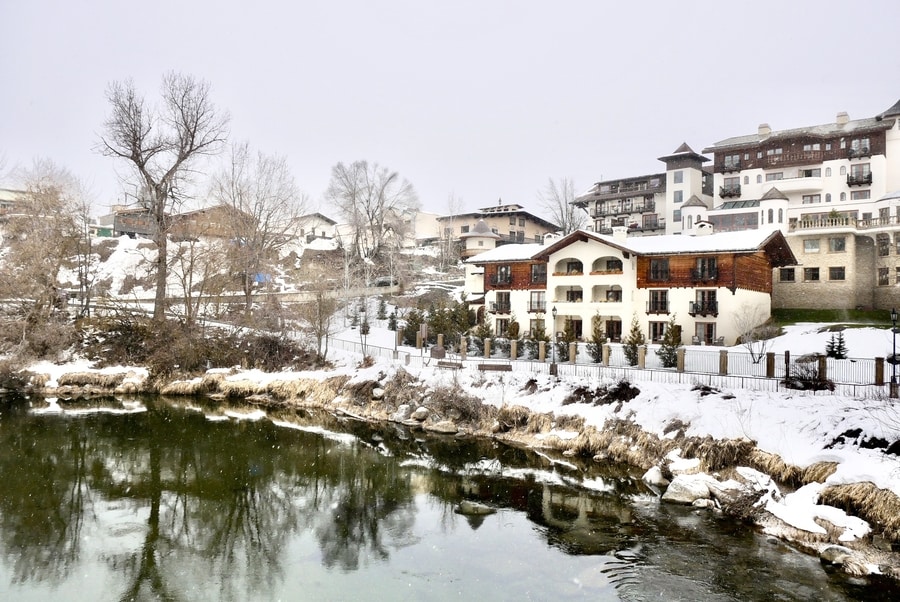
843 170
771 216
759 178
690 222
781 216
827 197
843 196
827 172
746 179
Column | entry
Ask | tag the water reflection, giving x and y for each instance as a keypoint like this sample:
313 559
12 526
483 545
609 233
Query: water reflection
170 504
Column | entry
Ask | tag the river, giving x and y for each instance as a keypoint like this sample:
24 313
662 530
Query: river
155 499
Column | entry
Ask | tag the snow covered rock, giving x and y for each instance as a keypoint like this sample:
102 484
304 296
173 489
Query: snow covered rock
402 414
420 414
654 477
686 489
444 427
377 393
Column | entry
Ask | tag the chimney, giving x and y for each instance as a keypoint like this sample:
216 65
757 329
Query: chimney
842 118
620 232
703 228
764 130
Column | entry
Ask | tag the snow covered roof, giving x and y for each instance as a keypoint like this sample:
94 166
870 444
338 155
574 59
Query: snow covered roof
824 131
515 252
745 241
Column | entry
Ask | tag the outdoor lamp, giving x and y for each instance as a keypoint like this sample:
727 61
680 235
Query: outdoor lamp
894 355
553 342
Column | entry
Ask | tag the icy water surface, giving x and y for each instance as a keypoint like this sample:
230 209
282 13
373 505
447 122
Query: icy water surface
156 501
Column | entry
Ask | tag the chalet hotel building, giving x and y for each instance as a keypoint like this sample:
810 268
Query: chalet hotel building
832 189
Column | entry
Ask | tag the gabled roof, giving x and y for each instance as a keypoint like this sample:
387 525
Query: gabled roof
318 216
745 241
828 130
508 253
894 111
773 194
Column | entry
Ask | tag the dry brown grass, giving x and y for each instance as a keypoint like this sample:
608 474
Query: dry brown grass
818 472
457 405
539 423
38 380
512 417
91 379
717 454
881 507
403 388
775 467
183 387
307 390
240 388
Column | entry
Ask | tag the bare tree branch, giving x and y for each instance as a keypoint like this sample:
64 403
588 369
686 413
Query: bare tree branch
374 200
265 204
556 198
160 145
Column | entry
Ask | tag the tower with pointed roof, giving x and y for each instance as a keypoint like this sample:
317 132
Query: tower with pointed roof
685 180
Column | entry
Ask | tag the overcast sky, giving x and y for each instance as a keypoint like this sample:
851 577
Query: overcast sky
479 99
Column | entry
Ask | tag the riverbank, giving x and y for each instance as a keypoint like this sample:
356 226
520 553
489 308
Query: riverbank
810 469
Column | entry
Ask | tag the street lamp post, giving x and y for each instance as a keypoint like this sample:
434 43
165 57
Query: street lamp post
553 369
894 355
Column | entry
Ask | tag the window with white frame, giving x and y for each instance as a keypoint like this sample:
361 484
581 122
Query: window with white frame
811 245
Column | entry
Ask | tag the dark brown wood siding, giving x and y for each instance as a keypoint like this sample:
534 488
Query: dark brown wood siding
520 277
748 271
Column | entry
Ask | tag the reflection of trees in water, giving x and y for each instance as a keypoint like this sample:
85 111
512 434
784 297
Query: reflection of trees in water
369 510
44 496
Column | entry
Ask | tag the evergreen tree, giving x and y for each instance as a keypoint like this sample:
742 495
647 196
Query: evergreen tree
634 340
512 333
354 320
364 335
481 332
414 321
392 320
671 341
836 347
382 309
841 348
538 334
598 339
562 343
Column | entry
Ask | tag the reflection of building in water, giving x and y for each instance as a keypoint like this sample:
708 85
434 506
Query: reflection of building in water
580 521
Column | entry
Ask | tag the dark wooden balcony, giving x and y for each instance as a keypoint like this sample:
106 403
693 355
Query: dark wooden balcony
704 275
858 153
731 166
709 308
657 307
860 180
729 191
500 279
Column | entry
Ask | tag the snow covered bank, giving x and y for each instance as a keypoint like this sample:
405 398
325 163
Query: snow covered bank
830 447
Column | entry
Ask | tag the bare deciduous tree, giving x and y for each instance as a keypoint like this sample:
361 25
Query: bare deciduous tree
161 144
265 203
42 237
556 198
194 263
756 333
374 200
